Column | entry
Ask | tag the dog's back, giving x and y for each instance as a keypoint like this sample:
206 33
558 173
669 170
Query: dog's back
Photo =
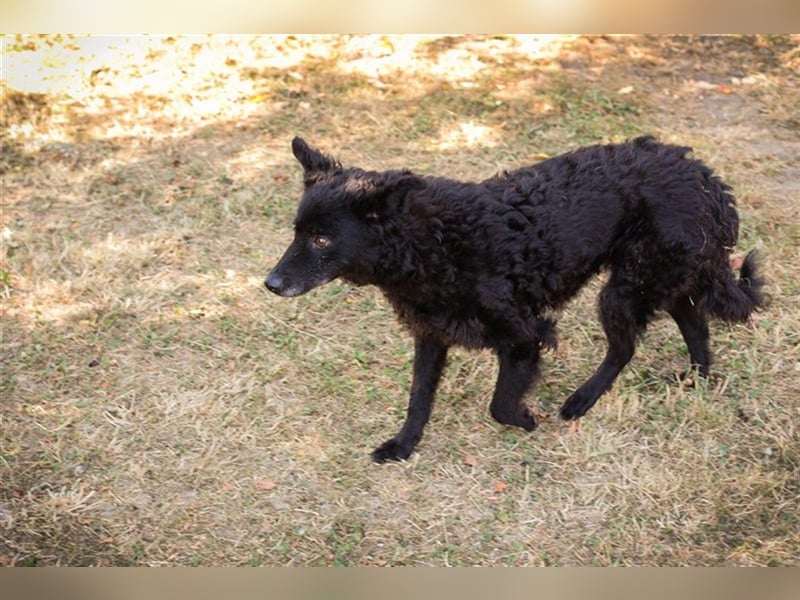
640 205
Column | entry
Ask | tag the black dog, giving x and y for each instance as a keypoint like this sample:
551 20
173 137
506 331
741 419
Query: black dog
481 264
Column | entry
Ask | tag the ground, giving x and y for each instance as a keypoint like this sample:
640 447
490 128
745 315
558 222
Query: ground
160 408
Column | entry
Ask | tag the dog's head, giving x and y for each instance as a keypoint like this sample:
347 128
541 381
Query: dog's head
337 229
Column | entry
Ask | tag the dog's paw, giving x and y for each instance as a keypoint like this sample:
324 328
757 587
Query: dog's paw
575 407
527 421
524 418
690 377
391 450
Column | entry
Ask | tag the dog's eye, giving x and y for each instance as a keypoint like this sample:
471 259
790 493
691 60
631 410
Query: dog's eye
320 241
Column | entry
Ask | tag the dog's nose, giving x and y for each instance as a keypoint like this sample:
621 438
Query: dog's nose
274 283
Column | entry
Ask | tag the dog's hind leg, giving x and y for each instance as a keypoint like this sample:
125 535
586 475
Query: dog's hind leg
694 328
518 368
429 360
624 318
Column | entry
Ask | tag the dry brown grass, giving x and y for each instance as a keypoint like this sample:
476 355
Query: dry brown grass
158 408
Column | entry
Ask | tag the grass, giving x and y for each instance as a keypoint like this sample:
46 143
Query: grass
159 408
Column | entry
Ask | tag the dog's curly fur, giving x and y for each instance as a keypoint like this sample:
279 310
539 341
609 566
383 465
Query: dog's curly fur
482 265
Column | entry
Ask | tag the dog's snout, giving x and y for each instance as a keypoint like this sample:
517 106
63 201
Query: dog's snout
274 283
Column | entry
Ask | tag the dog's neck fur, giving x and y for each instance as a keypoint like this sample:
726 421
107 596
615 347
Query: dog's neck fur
411 247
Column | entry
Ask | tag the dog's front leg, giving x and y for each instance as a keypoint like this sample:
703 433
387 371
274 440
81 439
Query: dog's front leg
518 369
429 359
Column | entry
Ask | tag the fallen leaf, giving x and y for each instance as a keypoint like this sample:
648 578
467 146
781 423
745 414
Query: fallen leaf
725 89
499 487
266 484
470 460
228 487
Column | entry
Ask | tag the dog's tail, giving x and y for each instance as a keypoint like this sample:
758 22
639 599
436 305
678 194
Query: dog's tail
736 299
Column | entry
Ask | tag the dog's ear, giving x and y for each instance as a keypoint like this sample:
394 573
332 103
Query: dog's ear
314 162
372 193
